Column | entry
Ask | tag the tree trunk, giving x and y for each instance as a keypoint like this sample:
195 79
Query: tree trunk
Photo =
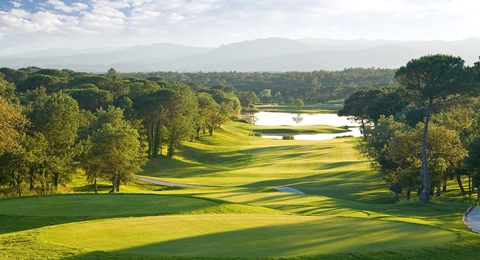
114 183
157 141
364 132
478 192
444 188
43 181
425 195
396 197
56 177
439 191
470 186
459 181
32 179
118 185
409 191
95 185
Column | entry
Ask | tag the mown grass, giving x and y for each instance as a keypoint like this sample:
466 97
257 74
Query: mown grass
315 129
347 211
230 235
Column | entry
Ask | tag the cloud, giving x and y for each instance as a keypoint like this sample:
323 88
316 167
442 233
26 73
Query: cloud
213 22
16 4
60 5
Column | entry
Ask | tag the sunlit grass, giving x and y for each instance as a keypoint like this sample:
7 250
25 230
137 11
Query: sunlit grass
317 129
101 205
235 235
347 211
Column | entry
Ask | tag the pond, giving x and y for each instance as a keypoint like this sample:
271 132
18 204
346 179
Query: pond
294 119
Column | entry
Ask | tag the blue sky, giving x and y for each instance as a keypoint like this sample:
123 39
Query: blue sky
27 25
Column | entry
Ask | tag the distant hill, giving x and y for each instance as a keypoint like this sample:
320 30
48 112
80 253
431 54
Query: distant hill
271 54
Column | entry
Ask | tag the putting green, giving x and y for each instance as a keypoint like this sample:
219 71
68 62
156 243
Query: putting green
238 235
102 205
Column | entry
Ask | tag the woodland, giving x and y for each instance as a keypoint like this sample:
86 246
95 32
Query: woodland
419 122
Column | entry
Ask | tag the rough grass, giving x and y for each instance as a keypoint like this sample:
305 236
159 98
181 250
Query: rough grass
346 213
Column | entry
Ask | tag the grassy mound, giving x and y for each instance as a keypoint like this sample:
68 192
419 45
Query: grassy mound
102 205
243 235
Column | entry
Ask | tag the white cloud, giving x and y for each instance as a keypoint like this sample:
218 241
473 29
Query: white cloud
60 5
213 22
16 4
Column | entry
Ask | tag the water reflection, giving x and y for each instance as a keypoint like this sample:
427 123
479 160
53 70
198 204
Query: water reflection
278 119
298 119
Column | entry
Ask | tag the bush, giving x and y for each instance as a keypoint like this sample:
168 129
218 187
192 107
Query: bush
256 134
288 137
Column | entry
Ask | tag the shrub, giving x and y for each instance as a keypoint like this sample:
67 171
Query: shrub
256 134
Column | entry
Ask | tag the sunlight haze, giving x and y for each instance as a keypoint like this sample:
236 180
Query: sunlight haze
27 25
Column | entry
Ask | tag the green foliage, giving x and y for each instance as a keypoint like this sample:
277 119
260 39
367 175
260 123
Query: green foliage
114 154
312 87
91 98
57 118
257 134
429 80
12 124
288 137
298 103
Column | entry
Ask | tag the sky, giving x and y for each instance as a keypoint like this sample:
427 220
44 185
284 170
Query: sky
32 25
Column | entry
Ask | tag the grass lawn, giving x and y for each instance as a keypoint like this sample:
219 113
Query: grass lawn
315 129
347 211
232 235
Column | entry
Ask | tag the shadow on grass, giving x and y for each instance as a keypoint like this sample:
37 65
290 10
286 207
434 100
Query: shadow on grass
18 214
322 236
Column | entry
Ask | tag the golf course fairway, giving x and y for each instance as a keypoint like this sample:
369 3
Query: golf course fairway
243 235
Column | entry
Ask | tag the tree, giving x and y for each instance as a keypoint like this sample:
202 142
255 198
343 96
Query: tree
151 109
473 162
247 98
58 118
208 109
278 97
444 149
7 89
12 124
356 105
461 120
23 164
181 117
432 79
91 98
114 154
265 95
298 103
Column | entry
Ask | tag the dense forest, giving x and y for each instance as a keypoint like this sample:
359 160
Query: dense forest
419 122
56 121
316 86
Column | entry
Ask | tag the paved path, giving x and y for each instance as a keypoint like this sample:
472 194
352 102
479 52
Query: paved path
288 189
471 218
166 183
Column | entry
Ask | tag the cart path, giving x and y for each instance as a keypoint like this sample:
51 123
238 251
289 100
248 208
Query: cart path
471 218
174 184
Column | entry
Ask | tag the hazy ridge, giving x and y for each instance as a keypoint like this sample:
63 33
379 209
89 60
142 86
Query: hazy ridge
271 54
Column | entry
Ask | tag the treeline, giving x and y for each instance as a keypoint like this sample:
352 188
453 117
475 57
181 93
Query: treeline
426 131
53 122
311 87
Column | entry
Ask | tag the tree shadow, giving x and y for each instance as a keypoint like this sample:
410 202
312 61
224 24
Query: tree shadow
321 237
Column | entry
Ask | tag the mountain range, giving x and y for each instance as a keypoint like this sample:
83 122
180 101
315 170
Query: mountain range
262 55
